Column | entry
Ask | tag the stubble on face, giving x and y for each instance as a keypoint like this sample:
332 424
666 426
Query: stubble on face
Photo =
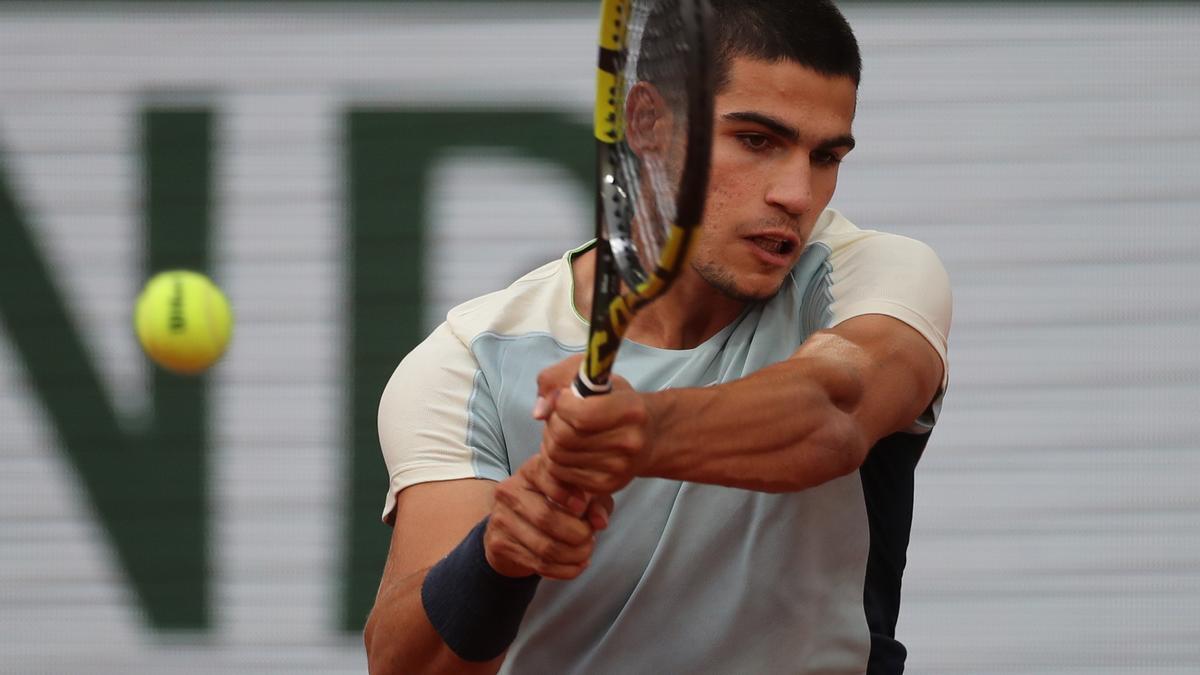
708 262
725 282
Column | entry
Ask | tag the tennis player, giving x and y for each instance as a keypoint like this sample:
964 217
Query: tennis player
742 502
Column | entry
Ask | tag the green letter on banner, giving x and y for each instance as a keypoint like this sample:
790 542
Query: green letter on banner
147 487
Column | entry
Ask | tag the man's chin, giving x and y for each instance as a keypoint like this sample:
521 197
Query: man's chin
752 292
752 295
756 289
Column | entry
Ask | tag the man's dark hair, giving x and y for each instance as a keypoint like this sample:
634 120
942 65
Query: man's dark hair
812 33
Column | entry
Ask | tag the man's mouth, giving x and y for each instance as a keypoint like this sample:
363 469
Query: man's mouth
774 245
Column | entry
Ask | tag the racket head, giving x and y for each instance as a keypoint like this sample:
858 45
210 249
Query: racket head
653 127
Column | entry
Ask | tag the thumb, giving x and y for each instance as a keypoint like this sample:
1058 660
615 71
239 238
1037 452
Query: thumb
553 380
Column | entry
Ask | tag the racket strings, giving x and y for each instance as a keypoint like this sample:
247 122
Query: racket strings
647 162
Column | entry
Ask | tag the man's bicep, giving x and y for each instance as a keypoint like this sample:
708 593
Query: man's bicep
431 519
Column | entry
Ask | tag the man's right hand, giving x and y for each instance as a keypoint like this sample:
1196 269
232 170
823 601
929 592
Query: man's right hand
529 534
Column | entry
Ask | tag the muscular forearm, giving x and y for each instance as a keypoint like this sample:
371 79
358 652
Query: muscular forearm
400 639
785 428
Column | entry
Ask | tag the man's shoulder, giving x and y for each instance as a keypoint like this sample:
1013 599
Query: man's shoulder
836 233
541 302
843 255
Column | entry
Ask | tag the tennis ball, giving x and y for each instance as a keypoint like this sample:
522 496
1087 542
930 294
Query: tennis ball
183 321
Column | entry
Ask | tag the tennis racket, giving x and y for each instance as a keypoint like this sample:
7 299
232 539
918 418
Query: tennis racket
653 127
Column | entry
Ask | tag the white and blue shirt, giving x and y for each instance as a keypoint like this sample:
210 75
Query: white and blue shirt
689 577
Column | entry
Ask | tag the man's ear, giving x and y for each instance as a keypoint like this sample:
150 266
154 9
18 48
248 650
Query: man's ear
647 120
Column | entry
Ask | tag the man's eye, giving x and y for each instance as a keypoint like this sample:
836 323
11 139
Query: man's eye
756 142
826 158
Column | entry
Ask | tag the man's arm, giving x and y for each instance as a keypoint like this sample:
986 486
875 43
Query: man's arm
525 535
802 422
431 519
787 427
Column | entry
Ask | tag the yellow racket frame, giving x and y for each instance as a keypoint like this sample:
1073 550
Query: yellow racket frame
606 335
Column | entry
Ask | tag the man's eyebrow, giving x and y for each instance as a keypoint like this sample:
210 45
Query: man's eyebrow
844 141
775 126
787 132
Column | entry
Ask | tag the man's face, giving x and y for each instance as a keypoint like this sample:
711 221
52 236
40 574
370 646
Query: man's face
780 131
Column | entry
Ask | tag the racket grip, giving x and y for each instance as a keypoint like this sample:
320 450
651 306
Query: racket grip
584 387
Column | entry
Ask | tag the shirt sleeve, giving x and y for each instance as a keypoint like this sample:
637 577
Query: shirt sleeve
902 278
438 420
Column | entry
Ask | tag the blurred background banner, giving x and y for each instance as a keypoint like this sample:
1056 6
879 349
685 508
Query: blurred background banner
349 171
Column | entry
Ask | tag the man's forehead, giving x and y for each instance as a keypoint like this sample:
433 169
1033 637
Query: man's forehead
751 72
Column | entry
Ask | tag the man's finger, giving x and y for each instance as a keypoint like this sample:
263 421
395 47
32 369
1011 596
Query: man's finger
592 481
545 549
548 520
544 405
562 444
515 552
557 376
558 438
504 553
599 511
565 438
570 498
562 572
598 413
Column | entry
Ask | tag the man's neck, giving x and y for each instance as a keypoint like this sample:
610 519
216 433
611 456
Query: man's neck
691 312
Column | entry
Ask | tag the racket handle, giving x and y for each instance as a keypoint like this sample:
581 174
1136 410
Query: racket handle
584 387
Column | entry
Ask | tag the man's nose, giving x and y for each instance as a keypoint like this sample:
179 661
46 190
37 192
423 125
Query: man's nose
791 188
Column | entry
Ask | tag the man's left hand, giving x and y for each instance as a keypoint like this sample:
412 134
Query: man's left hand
599 443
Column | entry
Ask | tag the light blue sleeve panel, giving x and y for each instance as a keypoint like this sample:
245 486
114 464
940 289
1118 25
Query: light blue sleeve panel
510 364
485 434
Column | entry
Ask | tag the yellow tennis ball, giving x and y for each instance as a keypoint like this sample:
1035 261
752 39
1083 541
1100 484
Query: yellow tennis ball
183 321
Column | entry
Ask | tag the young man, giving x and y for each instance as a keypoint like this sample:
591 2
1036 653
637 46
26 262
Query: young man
756 460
